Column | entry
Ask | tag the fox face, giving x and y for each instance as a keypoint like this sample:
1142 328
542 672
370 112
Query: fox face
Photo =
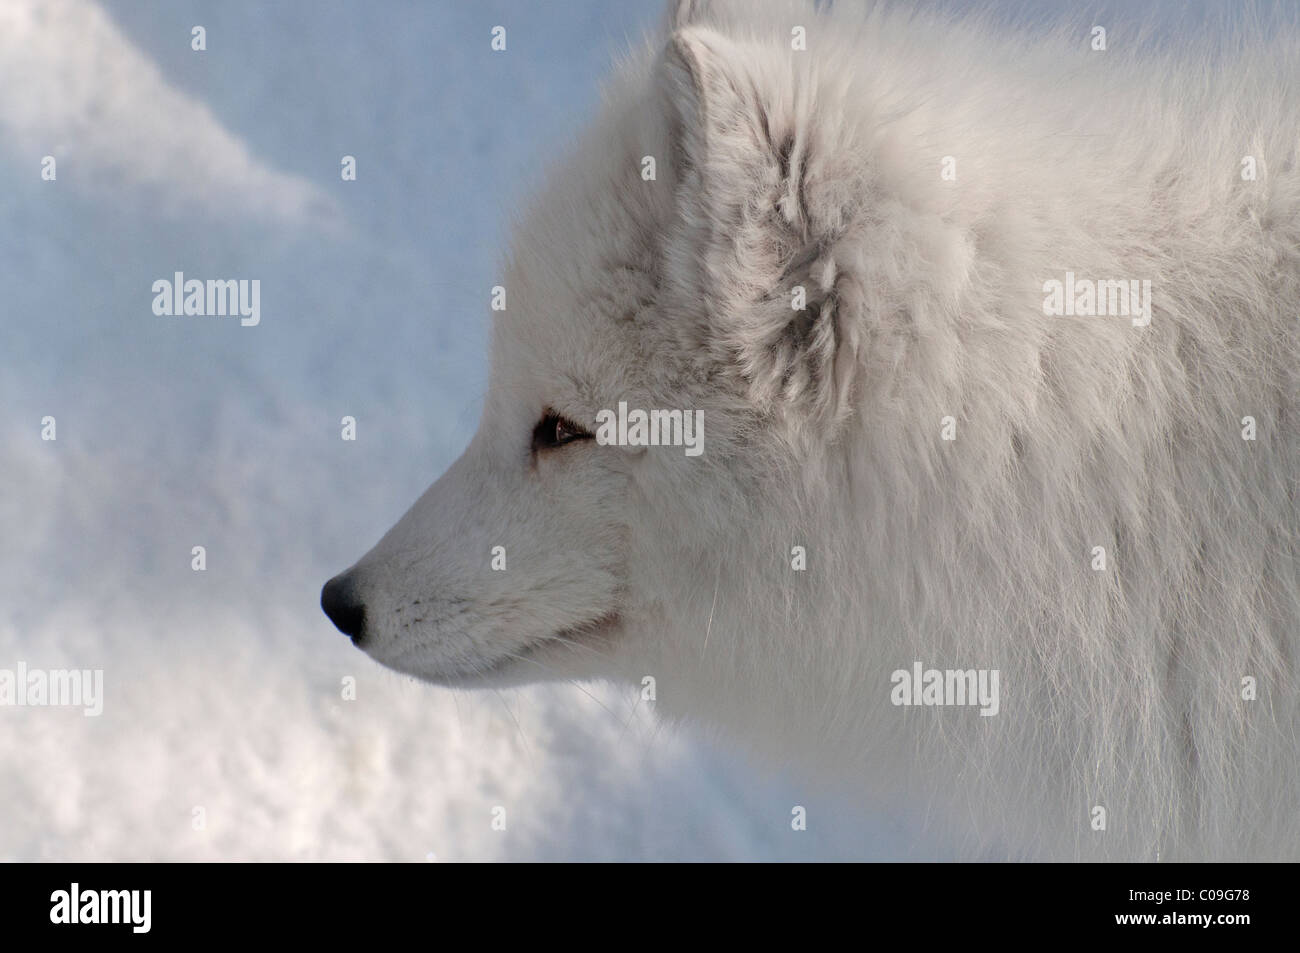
540 553
513 565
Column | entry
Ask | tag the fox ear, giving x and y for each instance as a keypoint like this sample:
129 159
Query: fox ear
717 118
683 13
774 290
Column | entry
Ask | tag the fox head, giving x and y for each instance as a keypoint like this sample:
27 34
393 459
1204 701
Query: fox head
693 254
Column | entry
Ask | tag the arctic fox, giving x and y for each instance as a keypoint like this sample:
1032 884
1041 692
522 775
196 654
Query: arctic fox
993 341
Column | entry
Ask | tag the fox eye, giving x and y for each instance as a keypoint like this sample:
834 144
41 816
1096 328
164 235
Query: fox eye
555 431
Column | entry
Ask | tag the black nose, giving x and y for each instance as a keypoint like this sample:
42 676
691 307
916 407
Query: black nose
340 602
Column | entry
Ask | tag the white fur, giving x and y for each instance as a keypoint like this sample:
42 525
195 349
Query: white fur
821 168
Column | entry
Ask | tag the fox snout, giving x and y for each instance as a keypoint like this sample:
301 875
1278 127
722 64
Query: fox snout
342 603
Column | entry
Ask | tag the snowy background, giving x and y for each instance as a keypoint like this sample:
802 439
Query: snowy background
223 687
